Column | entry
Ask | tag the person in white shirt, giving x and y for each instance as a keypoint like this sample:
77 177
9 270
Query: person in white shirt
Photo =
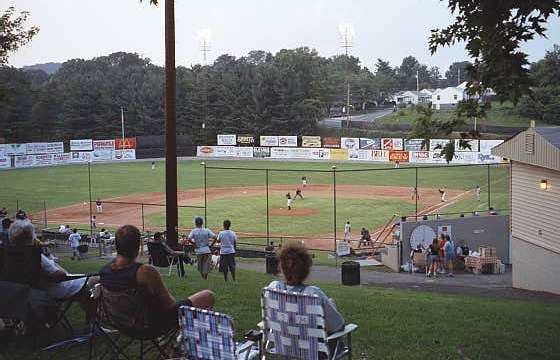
74 241
227 239
200 237
347 231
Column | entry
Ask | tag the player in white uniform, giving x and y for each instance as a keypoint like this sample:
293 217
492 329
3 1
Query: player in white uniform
477 192
289 201
442 193
347 231
153 165
304 181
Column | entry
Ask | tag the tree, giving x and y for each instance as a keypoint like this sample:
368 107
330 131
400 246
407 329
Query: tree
13 33
460 68
383 67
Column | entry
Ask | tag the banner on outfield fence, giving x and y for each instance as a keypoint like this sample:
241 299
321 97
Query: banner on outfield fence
24 161
438 144
61 159
55 147
2 149
473 143
380 155
261 152
126 143
419 156
224 151
81 145
486 145
42 160
399 155
80 157
349 143
290 141
339 154
227 140
360 154
391 144
124 154
331 142
102 155
370 144
311 141
245 140
15 149
269 141
465 157
5 162
44 148
413 145
205 151
488 159
103 144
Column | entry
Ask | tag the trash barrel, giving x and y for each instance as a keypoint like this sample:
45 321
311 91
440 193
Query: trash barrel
271 263
350 273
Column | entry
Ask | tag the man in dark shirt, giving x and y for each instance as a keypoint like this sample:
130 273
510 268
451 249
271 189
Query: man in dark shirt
158 239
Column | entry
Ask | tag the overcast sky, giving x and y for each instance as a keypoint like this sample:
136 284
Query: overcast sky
388 29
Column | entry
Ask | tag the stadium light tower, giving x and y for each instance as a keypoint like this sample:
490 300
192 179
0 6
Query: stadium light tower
203 37
347 34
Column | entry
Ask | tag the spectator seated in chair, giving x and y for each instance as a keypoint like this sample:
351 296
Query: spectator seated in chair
179 256
54 277
129 288
365 238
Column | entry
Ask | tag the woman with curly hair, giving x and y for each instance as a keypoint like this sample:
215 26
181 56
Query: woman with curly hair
295 264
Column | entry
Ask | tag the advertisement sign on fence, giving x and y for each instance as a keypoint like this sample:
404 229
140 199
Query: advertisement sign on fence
81 145
361 154
103 155
399 155
42 160
36 148
321 154
126 143
370 144
391 144
80 157
61 159
287 141
2 149
125 154
104 144
55 147
227 140
465 157
438 144
331 142
437 158
488 159
311 141
15 149
269 141
473 143
487 145
23 161
245 140
339 154
413 144
5 162
261 152
349 143
419 156
380 155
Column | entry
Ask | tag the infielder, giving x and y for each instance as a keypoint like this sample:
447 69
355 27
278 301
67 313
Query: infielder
347 231
414 193
303 181
153 165
99 206
298 193
442 193
289 201
477 192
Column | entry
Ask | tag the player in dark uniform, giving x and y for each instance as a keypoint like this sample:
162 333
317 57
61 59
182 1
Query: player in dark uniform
298 193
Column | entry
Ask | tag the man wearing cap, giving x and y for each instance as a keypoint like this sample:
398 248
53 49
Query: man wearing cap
200 237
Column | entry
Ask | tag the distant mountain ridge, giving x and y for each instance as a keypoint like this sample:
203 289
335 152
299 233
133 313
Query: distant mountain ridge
49 68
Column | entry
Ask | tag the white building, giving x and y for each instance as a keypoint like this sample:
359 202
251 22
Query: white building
448 98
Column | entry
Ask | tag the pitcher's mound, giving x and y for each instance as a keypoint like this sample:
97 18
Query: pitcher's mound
293 212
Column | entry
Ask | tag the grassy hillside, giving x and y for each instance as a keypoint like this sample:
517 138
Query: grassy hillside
502 114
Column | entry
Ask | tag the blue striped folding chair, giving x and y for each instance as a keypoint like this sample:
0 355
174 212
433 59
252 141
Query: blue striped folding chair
294 327
209 335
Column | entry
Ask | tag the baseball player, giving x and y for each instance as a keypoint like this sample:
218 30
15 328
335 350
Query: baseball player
414 193
99 206
93 222
304 181
477 192
298 193
442 193
397 164
289 201
347 231
153 165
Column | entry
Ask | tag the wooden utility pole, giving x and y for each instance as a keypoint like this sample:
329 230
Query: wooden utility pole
171 215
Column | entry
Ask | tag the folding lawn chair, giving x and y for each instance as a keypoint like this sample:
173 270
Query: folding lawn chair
160 259
294 327
209 335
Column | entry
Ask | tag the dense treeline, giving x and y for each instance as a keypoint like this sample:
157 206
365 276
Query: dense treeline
283 93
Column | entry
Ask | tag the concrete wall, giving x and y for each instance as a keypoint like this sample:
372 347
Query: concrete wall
534 267
474 230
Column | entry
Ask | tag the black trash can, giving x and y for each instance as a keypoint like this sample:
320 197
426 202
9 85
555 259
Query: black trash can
271 263
350 273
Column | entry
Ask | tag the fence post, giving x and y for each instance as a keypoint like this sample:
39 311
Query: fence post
334 213
142 217
205 198
17 205
488 179
90 211
267 212
416 194
45 213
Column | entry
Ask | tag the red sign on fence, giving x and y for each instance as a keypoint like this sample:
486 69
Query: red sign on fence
126 143
397 155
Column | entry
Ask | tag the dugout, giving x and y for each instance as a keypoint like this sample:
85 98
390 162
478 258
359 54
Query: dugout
475 231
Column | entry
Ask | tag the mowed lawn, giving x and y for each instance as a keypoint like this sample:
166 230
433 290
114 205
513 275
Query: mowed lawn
393 324
248 214
32 188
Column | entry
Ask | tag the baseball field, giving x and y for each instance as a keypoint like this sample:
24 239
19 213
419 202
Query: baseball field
367 195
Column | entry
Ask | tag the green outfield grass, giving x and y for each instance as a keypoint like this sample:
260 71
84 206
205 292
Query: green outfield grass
31 189
393 324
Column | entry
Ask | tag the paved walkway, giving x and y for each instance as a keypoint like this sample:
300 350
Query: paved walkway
491 286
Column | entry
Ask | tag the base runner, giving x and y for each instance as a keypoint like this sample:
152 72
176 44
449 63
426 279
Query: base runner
289 201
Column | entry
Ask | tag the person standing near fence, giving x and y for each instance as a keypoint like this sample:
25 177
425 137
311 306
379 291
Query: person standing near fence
347 231
227 239
74 241
477 192
200 237
99 206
